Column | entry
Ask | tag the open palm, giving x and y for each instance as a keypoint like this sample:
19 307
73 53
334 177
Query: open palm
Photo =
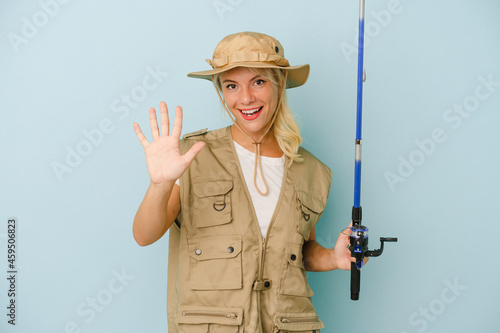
164 160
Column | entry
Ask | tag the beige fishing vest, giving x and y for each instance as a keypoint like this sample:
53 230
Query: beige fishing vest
222 275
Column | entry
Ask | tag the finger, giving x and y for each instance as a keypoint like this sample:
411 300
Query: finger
154 123
346 232
142 139
191 153
164 119
365 260
177 129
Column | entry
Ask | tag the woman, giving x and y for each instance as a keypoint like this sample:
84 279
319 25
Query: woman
241 202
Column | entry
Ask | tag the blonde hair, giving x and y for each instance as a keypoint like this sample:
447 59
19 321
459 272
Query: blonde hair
285 129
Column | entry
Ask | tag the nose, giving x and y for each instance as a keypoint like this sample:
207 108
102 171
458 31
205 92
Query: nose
246 96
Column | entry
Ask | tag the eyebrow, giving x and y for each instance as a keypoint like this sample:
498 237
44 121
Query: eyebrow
255 77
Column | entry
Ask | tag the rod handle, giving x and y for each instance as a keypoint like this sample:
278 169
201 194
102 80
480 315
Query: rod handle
355 278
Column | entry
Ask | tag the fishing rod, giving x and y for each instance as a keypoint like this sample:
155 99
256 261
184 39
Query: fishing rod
359 233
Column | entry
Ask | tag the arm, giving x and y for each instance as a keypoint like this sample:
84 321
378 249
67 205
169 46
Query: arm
166 164
320 259
157 212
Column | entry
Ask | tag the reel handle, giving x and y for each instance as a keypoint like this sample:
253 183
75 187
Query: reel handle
376 253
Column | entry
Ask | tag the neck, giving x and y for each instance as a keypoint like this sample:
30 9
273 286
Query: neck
269 146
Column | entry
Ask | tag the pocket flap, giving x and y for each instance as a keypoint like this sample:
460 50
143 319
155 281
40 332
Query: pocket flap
312 201
293 253
212 188
217 247
209 315
298 321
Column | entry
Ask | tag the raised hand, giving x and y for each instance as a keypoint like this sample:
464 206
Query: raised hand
164 160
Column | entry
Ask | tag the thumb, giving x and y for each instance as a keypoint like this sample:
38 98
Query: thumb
193 151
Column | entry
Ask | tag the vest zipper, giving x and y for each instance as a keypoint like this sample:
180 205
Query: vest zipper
299 320
273 218
229 315
262 240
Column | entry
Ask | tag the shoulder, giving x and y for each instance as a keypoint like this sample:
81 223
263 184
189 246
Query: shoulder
204 135
195 134
311 179
313 164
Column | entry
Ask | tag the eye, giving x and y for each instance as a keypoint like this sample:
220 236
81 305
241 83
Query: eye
230 86
259 82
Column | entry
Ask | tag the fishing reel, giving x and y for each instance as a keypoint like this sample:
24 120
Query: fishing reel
359 250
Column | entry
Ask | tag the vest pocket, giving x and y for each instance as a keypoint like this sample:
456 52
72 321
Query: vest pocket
197 319
297 322
215 263
294 280
310 207
211 203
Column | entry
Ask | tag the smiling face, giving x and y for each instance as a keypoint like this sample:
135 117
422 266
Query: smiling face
251 98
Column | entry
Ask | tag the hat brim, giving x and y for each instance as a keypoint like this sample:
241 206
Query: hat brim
297 75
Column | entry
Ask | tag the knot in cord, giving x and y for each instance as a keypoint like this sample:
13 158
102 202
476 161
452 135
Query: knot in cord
258 162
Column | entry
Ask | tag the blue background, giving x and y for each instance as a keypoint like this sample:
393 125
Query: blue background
67 67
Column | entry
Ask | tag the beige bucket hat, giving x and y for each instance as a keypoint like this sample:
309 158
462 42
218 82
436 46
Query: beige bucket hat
252 49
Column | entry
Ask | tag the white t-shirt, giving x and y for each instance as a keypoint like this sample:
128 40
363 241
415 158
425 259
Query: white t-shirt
273 168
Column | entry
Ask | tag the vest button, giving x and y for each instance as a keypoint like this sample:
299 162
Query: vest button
267 284
230 249
197 252
293 257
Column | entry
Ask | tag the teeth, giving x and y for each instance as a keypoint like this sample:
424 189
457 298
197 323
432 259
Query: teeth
250 112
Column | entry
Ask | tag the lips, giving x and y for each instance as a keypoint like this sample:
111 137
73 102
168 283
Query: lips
250 114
